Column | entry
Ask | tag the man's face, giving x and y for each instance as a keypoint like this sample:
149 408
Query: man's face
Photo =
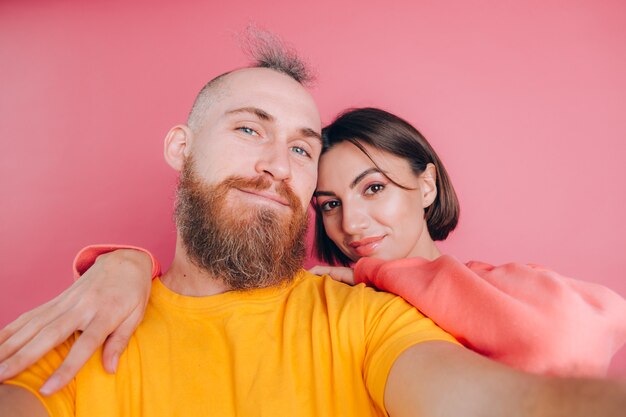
261 123
249 173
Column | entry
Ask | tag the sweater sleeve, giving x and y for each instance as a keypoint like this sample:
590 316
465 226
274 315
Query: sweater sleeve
86 257
525 316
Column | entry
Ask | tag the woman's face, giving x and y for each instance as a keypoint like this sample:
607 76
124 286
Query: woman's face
365 213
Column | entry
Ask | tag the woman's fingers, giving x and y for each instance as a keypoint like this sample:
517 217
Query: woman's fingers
320 270
86 344
16 326
36 338
113 293
117 341
338 273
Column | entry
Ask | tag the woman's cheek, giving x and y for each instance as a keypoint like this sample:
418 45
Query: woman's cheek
332 228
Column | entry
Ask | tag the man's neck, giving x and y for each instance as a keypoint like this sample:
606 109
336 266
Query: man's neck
185 278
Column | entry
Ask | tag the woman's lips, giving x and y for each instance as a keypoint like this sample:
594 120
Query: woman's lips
367 246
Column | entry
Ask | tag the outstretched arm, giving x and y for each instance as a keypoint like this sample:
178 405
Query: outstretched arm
18 402
443 379
106 303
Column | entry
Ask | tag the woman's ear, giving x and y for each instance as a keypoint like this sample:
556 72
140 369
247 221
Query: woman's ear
428 185
177 146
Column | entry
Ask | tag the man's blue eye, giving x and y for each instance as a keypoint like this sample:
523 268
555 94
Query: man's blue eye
300 151
248 131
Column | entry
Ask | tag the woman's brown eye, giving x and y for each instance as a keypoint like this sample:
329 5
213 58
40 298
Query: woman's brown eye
374 188
329 205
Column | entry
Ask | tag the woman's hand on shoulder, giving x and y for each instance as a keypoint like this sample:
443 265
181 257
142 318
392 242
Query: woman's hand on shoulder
107 304
338 273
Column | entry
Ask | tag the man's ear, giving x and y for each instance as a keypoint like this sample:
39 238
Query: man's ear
428 185
177 146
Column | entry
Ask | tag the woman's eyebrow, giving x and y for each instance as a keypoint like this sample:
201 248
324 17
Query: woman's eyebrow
353 184
363 175
324 193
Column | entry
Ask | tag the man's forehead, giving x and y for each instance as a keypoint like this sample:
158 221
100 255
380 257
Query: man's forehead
271 92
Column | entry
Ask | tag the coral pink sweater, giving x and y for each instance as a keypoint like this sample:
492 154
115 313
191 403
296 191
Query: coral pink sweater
525 316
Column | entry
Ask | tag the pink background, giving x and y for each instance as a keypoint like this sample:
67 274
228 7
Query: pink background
525 102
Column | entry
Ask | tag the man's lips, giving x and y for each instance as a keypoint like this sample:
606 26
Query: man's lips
367 246
267 195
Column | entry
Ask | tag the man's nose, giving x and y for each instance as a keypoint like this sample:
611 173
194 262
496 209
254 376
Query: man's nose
275 161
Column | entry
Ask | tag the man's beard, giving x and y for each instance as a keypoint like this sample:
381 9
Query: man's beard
245 246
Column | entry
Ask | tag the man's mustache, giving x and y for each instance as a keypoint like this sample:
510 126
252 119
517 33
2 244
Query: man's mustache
263 183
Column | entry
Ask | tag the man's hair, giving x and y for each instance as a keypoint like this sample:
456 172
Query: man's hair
266 50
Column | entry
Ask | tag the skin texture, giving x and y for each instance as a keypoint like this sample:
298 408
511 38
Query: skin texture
365 213
261 123
17 402
441 379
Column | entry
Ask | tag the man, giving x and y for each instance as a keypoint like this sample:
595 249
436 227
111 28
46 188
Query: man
235 328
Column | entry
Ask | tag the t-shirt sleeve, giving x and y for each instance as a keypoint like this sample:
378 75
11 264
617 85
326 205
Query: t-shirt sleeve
60 404
86 257
391 326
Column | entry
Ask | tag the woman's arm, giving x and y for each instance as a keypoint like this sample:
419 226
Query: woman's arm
107 304
525 316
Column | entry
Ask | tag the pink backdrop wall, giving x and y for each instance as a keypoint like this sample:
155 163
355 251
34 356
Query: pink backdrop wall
525 102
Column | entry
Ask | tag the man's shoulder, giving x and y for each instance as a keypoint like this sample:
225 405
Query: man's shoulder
306 279
331 290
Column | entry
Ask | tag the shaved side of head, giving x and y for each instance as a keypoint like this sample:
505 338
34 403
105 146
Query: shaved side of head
266 50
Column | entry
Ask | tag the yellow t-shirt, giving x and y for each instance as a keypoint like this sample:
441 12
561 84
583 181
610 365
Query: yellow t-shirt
314 347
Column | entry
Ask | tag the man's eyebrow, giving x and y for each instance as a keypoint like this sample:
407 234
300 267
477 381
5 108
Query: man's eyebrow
260 113
310 133
352 184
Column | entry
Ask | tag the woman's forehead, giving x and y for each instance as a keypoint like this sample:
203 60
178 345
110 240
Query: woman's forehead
345 161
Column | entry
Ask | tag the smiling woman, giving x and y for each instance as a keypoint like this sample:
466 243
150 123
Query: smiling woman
397 155
380 211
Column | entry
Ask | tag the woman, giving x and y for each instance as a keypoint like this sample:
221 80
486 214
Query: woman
383 199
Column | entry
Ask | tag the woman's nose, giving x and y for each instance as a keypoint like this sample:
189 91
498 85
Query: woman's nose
354 220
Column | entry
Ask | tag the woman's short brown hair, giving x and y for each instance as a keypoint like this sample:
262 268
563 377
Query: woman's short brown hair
389 133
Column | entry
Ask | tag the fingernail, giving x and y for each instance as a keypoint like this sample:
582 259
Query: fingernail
114 361
50 385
